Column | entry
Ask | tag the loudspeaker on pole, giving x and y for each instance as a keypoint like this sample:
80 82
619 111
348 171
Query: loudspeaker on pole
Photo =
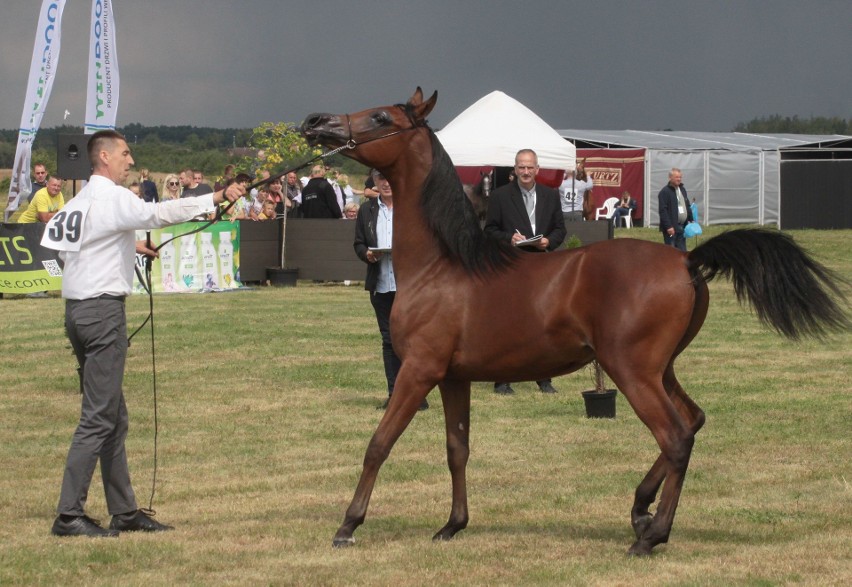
72 158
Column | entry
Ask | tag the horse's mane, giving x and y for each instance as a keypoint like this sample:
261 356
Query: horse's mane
452 219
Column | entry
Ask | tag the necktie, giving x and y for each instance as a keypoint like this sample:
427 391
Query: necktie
528 202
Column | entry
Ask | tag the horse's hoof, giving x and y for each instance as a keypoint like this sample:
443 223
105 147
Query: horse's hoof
443 536
343 542
641 524
639 548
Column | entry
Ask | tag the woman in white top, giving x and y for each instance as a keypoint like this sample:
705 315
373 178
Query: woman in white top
572 192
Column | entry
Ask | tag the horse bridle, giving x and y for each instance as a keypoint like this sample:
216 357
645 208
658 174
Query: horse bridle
351 143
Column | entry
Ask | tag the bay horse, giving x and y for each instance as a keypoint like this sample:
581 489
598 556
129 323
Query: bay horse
470 308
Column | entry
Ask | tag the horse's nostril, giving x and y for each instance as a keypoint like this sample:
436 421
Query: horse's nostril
313 120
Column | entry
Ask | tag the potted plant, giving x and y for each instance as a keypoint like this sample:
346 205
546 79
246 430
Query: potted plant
283 146
600 401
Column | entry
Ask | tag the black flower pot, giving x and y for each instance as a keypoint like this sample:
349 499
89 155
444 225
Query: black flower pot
281 277
600 404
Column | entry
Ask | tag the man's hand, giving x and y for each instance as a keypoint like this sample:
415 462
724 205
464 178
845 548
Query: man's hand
234 192
373 257
518 237
142 249
542 244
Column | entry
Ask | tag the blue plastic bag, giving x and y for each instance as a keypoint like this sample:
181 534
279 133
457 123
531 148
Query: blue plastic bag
692 229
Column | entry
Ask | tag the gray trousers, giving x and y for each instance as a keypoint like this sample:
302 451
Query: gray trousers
97 329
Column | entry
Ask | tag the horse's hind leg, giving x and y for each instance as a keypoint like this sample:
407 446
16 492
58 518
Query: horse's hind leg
407 397
646 492
456 398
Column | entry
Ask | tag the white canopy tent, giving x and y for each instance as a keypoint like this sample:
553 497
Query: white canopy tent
493 129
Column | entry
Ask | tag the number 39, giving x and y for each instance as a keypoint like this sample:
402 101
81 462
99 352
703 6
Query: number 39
66 226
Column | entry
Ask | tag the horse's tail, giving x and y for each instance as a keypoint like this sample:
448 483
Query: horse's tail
789 291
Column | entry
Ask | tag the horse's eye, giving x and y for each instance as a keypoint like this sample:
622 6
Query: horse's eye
381 117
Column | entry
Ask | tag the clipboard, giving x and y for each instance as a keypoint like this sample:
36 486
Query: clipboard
529 241
379 249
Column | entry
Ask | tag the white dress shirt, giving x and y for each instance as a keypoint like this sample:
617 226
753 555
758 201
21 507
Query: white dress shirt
104 264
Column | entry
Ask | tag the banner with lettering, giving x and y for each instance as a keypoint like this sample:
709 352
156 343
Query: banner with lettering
615 171
103 81
26 266
42 72
205 261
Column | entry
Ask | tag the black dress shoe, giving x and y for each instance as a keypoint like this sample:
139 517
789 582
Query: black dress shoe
503 389
80 526
546 387
136 521
423 406
383 405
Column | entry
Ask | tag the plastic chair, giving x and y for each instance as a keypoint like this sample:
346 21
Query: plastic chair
607 209
628 219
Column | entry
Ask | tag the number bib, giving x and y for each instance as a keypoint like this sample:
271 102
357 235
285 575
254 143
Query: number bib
64 232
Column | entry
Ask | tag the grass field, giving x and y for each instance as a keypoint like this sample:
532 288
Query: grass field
267 400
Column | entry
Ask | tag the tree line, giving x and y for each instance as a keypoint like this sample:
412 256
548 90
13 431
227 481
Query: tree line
163 149
171 148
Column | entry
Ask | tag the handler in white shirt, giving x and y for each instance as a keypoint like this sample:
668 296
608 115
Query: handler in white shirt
95 234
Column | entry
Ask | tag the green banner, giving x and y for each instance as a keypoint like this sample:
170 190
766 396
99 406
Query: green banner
205 261
26 266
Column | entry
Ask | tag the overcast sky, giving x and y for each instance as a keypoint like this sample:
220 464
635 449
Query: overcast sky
639 64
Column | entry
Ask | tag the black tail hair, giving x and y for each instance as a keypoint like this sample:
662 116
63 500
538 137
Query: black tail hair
789 290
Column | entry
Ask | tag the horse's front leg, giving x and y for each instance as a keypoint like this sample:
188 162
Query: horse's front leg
455 396
409 392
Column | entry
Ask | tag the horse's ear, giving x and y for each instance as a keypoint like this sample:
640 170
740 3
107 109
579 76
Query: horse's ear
417 97
424 108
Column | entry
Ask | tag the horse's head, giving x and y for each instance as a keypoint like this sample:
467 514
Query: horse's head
372 136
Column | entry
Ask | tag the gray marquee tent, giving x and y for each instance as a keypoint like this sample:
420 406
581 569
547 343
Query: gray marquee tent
787 180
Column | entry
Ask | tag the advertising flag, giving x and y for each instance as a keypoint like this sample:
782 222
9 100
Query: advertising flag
42 72
103 80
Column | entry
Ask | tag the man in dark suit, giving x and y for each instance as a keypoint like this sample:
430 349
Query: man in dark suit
521 210
674 210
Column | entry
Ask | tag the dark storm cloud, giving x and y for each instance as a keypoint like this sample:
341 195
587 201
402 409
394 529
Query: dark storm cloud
688 65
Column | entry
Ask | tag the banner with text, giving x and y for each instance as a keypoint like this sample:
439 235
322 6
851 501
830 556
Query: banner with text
26 266
205 261
615 171
103 81
42 72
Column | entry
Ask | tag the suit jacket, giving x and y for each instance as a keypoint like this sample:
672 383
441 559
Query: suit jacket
668 208
365 237
507 213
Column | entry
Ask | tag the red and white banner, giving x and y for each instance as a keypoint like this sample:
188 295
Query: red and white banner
103 80
42 72
615 171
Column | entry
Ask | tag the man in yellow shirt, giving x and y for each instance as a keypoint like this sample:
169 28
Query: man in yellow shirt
45 203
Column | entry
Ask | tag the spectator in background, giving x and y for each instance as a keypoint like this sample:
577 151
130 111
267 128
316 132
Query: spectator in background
39 179
350 211
318 197
674 210
45 203
256 206
294 195
191 186
149 188
239 210
370 190
267 211
227 175
276 195
171 187
624 208
136 189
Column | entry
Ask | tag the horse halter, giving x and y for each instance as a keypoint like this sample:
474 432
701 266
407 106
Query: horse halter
351 143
